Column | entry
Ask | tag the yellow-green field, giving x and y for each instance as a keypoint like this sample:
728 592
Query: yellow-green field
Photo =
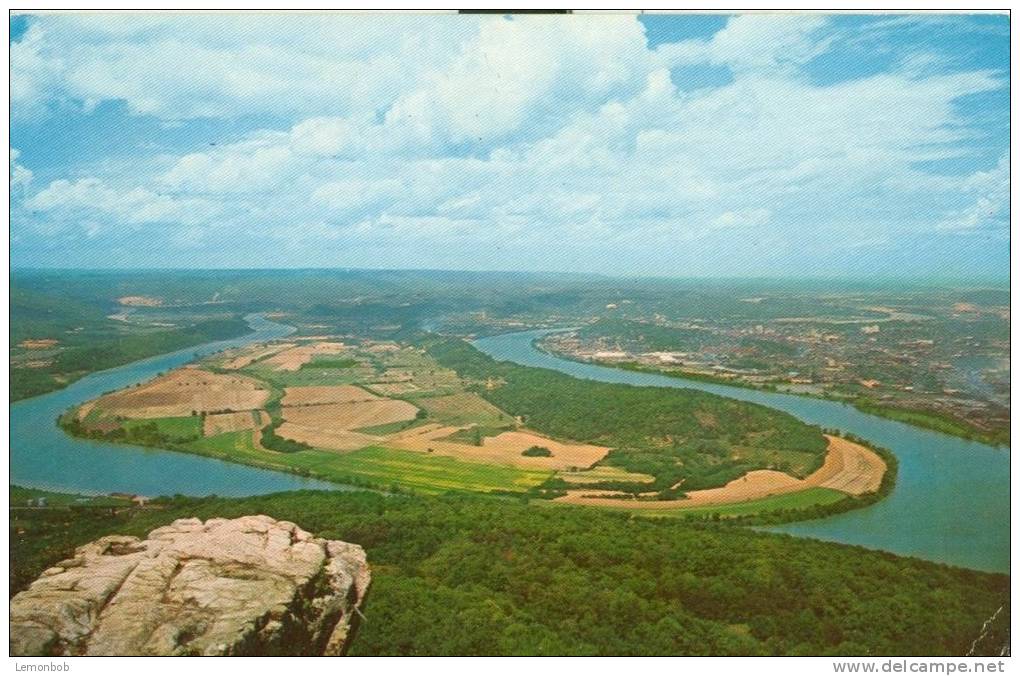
381 467
463 408
809 497
604 473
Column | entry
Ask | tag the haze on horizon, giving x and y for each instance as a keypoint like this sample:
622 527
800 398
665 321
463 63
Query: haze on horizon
680 146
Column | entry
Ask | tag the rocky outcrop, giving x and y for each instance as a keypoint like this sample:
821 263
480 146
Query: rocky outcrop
247 586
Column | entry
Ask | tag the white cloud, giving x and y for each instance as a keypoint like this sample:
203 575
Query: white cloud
451 77
743 218
534 131
767 41
759 42
989 201
514 70
328 136
178 66
356 195
20 176
133 206
256 164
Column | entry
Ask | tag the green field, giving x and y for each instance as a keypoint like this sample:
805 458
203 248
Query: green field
329 364
463 408
180 428
810 497
373 466
392 428
228 443
317 375
434 474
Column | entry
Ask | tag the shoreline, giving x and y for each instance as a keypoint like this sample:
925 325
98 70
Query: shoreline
878 410
834 474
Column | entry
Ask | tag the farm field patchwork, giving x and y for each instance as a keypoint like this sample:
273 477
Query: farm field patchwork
294 358
219 423
184 392
351 415
849 469
464 408
325 394
376 466
345 422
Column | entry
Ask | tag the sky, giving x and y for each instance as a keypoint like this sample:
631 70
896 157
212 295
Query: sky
683 145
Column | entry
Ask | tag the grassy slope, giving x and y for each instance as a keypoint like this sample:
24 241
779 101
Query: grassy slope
575 581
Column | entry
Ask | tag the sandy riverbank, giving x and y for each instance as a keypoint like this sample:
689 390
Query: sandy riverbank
849 467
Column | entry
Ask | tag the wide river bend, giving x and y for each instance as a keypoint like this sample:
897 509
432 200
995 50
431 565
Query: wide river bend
43 456
951 502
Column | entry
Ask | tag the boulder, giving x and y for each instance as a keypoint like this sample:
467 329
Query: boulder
247 586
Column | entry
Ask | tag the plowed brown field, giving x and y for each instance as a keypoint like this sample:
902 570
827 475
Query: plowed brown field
325 394
181 392
220 423
351 415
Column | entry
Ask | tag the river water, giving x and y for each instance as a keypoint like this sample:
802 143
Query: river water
951 502
43 456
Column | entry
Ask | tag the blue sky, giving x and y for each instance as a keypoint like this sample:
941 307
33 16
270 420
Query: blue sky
656 145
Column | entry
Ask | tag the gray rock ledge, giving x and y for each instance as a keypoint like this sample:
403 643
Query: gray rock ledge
246 586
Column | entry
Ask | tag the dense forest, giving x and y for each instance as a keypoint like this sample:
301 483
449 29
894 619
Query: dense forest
672 434
461 575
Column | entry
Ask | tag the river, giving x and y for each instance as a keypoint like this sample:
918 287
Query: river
43 456
951 501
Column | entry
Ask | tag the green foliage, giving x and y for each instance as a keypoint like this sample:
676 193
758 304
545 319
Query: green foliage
157 430
330 364
162 432
393 427
575 581
652 336
939 422
270 439
672 434
274 442
932 420
134 347
537 452
74 362
30 382
476 434
20 496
